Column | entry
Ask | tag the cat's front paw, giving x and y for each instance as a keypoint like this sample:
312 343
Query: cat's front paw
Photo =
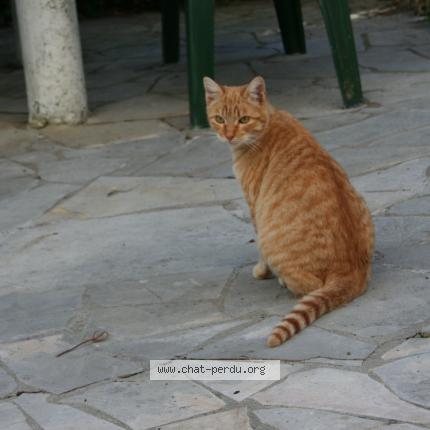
261 271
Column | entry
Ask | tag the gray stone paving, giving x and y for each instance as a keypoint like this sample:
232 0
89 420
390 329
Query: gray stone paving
341 391
409 347
55 417
7 384
12 418
140 405
134 224
232 419
302 419
408 378
40 368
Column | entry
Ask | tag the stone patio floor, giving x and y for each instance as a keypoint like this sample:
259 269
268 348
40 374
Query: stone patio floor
134 224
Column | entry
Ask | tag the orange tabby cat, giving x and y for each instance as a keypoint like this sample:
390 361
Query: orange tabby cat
314 230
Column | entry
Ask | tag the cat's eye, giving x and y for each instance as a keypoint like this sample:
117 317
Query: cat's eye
244 119
219 119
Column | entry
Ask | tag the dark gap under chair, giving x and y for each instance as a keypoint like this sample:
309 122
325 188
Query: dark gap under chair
200 44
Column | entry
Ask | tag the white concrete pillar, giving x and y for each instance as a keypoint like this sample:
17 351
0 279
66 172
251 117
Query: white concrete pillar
52 60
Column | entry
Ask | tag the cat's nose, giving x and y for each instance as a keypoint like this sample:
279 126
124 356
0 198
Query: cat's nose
229 136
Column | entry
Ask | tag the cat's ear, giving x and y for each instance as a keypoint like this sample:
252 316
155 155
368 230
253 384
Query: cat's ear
212 89
257 89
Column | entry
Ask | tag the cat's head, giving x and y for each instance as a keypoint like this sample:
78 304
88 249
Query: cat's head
237 114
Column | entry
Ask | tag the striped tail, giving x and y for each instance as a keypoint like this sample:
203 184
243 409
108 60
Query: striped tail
312 306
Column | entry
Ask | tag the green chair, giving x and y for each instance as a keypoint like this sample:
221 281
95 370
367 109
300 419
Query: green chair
200 44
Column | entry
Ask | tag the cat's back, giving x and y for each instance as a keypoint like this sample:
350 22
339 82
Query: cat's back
305 193
295 158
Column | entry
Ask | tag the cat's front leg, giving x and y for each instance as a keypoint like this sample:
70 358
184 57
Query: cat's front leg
261 271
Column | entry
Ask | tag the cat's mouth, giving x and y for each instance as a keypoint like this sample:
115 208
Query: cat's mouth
235 142
230 142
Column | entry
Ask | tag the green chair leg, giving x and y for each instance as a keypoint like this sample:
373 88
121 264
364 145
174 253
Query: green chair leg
170 25
200 44
290 21
18 55
341 37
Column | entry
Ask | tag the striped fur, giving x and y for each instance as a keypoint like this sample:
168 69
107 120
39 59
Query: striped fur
314 230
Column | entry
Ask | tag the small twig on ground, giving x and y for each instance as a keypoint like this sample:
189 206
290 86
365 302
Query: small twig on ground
98 336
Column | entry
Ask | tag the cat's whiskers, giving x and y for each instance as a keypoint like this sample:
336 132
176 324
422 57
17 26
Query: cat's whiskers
248 141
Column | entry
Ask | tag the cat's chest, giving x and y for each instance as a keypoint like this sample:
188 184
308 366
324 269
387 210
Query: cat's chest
237 171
